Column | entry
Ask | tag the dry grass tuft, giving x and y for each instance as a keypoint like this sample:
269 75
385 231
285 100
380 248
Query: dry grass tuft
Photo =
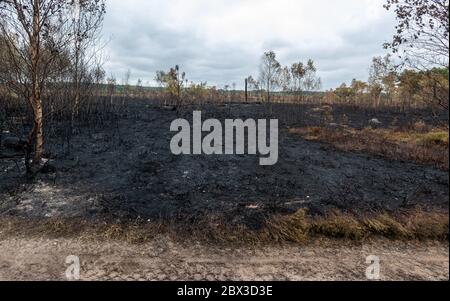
298 227
338 225
429 225
386 226
412 224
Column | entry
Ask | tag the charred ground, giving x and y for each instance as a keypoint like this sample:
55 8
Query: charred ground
127 172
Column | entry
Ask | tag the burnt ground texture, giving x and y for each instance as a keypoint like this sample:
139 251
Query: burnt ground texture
128 172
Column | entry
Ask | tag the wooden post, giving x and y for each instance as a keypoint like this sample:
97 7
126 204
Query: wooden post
246 91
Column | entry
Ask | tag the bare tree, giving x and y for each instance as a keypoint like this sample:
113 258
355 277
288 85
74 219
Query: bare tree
304 78
422 32
111 83
139 88
87 19
311 81
298 72
285 79
270 72
382 77
33 29
39 35
253 85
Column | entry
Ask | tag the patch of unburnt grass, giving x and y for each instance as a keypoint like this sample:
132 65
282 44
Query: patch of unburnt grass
413 224
419 145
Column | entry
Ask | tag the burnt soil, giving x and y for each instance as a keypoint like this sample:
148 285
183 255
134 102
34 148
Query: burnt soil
128 172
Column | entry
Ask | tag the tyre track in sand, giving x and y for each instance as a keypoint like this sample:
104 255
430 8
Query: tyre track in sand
163 259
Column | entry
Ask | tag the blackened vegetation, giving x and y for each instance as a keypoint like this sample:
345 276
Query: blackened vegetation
118 165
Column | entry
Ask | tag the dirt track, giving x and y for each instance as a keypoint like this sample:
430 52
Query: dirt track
162 259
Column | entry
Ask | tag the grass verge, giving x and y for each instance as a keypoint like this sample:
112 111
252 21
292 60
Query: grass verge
298 227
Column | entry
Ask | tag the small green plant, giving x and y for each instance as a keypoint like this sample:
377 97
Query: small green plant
434 138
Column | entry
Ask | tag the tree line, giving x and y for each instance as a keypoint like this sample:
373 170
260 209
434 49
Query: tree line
273 77
393 85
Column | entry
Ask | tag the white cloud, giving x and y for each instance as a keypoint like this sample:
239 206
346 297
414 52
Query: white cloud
221 41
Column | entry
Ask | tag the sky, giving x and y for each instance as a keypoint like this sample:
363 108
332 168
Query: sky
222 41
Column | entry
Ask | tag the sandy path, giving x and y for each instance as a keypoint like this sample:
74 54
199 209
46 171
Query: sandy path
162 259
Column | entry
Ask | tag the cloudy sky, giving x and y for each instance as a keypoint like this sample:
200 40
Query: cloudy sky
221 41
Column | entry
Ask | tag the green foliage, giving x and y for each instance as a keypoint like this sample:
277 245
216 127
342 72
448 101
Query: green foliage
172 81
440 71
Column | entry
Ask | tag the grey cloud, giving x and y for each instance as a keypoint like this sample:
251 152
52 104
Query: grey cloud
147 45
